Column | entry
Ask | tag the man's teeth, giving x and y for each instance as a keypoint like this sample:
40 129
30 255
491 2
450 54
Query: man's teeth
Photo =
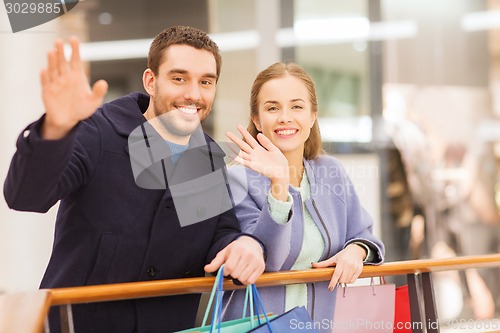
286 132
188 110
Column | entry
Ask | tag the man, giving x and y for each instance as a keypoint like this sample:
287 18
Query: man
109 228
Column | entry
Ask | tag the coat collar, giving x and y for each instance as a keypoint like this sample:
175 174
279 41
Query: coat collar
126 113
309 167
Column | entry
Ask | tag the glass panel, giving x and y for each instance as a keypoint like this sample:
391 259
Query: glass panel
333 50
238 64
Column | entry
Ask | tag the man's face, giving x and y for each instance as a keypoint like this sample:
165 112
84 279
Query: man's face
183 92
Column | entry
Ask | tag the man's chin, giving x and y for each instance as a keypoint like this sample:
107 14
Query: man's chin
185 130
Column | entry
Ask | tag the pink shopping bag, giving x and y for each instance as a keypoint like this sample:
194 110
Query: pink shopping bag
364 309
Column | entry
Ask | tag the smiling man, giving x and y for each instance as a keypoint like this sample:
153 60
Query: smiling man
110 228
182 91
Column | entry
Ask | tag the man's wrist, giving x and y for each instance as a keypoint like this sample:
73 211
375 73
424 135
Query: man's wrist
52 131
264 252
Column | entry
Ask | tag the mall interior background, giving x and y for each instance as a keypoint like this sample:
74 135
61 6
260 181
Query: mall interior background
409 100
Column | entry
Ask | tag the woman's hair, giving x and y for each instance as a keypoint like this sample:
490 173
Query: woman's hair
313 145
180 35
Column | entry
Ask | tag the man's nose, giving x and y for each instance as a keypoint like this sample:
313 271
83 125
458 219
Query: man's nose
192 92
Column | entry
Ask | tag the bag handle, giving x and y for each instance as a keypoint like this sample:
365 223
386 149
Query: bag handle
372 284
249 299
217 313
217 293
258 305
251 296
212 294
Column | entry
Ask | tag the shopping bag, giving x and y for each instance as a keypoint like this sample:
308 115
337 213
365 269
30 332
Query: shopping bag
294 320
402 314
243 324
364 309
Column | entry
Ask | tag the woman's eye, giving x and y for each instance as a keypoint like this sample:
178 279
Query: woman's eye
272 108
297 107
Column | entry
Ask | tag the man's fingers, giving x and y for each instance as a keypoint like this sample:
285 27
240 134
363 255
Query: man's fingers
44 77
75 61
100 89
244 275
254 276
215 264
62 65
53 71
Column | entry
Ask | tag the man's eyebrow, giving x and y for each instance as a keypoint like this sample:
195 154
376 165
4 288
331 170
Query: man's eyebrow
211 76
184 72
177 71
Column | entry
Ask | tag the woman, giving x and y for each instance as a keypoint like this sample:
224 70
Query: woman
297 200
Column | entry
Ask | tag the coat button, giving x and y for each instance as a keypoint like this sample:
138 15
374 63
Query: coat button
201 211
188 274
151 271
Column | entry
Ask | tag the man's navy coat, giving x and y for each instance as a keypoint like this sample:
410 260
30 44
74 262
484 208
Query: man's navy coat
108 229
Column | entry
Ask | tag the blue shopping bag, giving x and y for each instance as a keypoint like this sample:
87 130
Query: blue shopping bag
258 321
285 322
242 325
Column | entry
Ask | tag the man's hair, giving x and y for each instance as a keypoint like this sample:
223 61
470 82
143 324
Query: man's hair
313 145
180 35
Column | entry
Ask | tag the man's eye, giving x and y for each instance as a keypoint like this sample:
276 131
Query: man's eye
179 79
206 82
297 107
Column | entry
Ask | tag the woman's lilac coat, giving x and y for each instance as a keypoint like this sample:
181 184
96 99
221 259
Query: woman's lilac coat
334 207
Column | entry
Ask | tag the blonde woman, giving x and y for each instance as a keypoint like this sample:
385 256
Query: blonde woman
298 201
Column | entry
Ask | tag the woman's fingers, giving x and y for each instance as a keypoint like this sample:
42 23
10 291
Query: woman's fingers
248 137
239 142
265 142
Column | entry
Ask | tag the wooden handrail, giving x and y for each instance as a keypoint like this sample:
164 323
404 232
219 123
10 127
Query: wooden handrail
22 312
34 306
122 291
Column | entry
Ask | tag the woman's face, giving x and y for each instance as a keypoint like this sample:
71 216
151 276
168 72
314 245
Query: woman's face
285 114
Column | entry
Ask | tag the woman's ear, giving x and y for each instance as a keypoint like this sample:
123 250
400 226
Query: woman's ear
256 123
314 118
148 81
